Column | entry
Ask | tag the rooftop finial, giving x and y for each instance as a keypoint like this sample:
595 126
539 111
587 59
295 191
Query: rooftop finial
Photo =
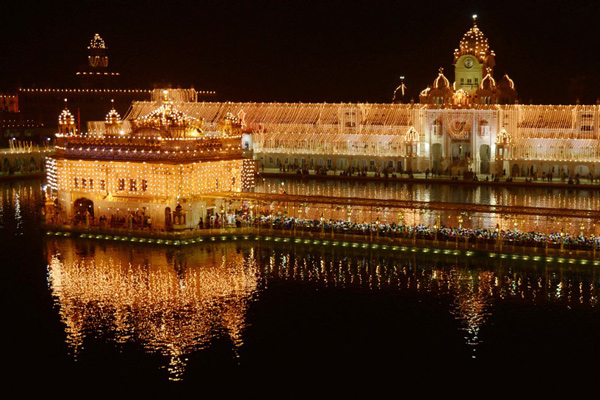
474 19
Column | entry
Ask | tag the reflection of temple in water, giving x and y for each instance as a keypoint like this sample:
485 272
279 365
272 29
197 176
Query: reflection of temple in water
170 302
473 286
177 301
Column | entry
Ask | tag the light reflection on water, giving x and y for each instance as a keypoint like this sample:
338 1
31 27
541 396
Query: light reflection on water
20 205
177 301
169 303
489 195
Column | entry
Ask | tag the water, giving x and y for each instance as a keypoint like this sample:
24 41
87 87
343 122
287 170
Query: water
95 314
582 199
552 198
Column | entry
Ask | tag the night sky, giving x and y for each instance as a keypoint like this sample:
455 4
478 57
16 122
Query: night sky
308 51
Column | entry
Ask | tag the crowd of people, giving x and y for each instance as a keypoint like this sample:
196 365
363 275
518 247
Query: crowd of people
241 218
443 233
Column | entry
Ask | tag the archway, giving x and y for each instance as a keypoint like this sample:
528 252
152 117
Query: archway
436 156
168 217
484 156
84 206
6 165
515 170
460 150
582 170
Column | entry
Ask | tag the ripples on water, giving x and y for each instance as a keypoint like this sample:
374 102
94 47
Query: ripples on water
20 205
175 302
489 195
253 303
537 197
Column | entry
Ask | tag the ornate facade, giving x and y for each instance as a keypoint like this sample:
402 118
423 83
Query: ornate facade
472 124
161 166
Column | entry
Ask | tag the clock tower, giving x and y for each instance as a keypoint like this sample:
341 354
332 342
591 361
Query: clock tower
472 60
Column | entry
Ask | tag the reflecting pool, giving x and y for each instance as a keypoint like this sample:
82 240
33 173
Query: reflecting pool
97 314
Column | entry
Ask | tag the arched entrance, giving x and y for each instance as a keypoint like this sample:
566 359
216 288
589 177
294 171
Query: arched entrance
484 156
436 156
84 207
515 171
168 218
460 150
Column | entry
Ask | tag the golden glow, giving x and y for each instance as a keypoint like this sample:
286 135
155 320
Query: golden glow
171 307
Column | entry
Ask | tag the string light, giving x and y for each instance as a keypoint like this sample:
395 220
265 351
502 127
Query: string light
177 163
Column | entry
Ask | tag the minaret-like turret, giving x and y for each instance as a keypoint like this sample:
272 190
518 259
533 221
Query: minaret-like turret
66 122
96 73
472 60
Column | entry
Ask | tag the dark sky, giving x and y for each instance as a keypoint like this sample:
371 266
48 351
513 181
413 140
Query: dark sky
309 51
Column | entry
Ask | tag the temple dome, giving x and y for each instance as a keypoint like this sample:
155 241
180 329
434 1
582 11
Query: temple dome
441 82
488 82
475 43
113 117
170 121
97 42
506 83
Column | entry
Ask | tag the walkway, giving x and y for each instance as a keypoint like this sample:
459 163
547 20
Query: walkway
497 249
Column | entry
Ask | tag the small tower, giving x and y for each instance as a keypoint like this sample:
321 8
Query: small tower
113 120
66 122
472 59
97 57
96 73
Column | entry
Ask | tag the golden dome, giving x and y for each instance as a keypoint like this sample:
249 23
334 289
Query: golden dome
506 83
441 81
97 42
488 82
65 117
474 42
113 116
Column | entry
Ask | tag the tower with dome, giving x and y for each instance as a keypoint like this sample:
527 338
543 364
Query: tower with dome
96 73
474 81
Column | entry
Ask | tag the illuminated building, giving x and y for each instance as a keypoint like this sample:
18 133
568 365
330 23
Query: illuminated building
474 123
158 165
96 73
95 85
